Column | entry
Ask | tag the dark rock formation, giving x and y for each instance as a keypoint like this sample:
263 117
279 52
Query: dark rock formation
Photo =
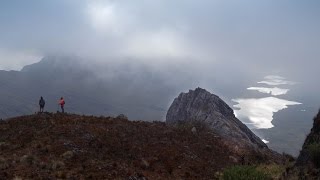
201 106
313 138
309 159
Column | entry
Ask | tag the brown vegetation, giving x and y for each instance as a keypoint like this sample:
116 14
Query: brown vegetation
81 147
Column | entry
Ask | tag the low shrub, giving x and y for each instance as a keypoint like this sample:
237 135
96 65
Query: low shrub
275 171
244 173
314 150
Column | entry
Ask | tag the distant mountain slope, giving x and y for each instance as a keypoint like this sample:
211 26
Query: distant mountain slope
57 146
88 89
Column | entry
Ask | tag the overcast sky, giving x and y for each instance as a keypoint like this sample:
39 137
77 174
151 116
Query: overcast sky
278 36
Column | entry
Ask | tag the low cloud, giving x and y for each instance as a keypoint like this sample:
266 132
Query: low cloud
273 91
276 80
164 43
121 25
216 36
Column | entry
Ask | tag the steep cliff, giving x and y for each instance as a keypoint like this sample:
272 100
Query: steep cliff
308 162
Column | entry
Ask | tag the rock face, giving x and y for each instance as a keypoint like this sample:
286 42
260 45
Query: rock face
313 138
309 158
201 106
307 165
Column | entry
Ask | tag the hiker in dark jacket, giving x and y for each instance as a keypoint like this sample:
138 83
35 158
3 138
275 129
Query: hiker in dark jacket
41 104
61 103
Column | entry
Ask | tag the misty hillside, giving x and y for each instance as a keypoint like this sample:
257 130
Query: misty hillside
88 89
112 86
73 146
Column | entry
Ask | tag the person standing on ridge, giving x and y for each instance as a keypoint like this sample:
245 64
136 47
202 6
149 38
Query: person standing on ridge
62 103
41 104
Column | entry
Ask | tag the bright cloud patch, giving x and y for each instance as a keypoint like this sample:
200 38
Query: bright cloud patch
260 111
265 141
273 91
275 81
111 20
104 17
163 43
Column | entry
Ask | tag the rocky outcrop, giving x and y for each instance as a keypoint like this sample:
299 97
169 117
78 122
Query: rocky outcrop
313 138
308 162
201 106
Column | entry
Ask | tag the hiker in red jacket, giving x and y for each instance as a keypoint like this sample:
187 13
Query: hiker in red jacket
62 103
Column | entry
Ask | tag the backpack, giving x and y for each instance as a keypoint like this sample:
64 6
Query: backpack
42 102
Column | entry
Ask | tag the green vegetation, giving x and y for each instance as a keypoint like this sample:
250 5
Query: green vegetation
244 173
314 150
275 171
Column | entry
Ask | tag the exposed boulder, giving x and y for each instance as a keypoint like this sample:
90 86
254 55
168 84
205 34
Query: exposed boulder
194 130
201 106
